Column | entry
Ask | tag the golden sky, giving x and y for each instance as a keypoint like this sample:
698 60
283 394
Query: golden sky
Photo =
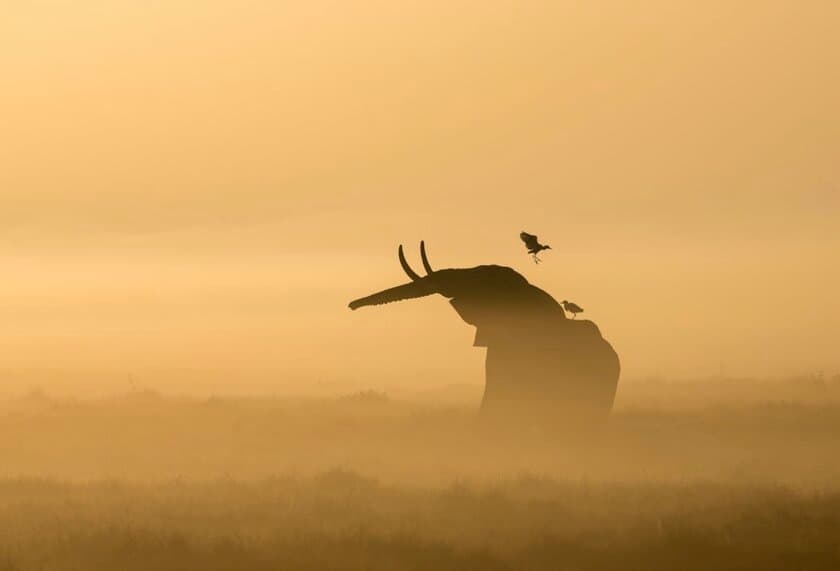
193 190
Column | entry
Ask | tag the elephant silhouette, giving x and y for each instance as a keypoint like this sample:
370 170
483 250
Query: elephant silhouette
541 367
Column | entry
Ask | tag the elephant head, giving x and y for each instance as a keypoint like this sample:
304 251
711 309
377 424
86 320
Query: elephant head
538 361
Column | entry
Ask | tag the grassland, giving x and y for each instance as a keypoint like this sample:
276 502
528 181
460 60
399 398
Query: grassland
717 479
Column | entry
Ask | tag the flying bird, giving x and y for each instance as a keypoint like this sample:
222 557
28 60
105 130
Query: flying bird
572 308
533 245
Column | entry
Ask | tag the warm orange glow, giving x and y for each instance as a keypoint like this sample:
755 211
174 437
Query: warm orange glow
192 191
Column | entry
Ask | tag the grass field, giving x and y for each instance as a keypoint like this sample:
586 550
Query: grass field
716 480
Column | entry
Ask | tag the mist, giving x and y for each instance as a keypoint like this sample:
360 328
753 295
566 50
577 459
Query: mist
193 192
230 179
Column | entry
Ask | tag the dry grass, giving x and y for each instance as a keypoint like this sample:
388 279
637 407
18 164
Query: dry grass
339 520
368 482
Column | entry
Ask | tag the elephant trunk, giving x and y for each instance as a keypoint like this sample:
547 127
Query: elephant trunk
419 286
411 290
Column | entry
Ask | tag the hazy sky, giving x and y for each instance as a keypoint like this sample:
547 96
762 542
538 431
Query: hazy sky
193 190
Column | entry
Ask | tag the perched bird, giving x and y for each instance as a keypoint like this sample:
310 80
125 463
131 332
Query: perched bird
572 308
533 245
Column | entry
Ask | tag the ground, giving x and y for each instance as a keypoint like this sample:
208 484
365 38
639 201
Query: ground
718 479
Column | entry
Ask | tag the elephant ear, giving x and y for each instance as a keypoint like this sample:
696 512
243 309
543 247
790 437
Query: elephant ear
410 290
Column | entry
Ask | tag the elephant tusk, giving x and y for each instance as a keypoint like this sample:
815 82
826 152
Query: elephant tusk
423 257
406 268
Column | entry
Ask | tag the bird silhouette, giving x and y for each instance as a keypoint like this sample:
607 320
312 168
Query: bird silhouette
533 245
572 308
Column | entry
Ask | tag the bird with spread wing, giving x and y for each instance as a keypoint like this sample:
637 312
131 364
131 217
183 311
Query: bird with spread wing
533 245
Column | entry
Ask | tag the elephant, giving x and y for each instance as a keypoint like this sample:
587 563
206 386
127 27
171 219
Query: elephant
540 366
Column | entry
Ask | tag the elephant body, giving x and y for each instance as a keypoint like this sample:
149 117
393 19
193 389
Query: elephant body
540 366
569 377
